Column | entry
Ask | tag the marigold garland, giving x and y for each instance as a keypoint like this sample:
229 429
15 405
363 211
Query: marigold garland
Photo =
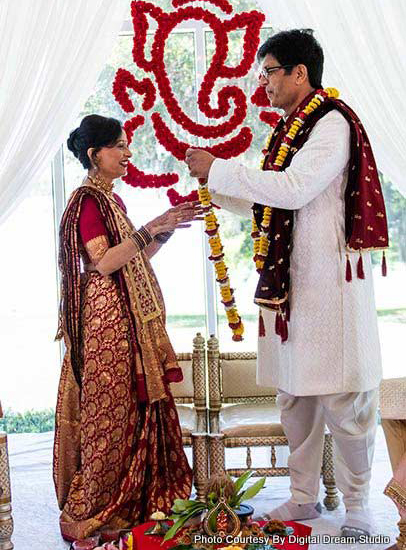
260 235
217 257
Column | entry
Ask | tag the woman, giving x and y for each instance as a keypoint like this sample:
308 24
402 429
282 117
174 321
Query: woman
396 490
118 452
393 414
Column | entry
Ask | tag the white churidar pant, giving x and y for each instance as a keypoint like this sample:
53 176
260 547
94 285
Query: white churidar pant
351 419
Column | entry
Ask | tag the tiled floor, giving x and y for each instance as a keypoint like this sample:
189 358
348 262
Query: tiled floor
36 513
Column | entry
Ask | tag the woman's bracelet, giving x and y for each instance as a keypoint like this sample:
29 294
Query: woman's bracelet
164 236
142 237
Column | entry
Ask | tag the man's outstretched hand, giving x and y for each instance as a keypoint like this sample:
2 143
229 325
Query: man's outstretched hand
199 162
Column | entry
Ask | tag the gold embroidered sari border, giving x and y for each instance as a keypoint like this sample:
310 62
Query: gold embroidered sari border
396 492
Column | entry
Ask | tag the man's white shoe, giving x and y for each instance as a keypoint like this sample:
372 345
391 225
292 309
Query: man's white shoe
357 524
290 511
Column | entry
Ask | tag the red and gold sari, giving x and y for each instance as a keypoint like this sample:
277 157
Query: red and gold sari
118 452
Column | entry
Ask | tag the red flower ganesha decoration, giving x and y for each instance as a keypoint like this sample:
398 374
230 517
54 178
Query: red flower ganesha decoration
231 99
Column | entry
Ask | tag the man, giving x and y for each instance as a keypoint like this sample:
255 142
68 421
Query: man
324 357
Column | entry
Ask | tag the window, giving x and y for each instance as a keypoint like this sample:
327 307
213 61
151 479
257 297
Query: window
188 53
28 313
390 292
28 317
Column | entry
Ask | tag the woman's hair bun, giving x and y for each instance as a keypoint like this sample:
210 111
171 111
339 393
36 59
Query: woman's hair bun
95 131
73 140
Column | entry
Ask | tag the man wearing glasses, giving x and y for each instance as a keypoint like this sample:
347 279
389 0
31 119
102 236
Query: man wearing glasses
318 343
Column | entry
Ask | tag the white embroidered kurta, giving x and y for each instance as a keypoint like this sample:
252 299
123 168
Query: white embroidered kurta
333 343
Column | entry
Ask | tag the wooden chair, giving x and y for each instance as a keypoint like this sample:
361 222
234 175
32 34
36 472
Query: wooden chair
6 520
243 414
191 404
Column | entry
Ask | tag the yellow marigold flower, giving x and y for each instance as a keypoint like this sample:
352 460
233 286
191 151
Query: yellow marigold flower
267 215
222 274
232 316
332 92
239 330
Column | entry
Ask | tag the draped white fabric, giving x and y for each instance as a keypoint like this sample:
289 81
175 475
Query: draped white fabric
365 58
51 54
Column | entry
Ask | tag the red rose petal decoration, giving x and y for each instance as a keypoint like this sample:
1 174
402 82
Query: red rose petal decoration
222 4
123 80
228 97
175 198
270 117
260 98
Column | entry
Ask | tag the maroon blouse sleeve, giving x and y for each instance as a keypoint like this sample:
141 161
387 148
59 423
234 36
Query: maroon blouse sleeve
91 223
92 229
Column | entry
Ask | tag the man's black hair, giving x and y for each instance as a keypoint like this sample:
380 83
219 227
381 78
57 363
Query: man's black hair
295 47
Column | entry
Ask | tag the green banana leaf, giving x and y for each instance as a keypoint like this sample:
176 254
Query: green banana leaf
180 505
252 490
240 482
182 519
197 507
235 501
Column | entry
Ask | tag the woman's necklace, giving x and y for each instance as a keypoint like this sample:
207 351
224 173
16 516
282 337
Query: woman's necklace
101 184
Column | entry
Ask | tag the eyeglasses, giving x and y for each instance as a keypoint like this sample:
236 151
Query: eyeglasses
266 72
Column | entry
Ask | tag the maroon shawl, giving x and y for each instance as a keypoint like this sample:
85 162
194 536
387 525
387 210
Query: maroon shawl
365 216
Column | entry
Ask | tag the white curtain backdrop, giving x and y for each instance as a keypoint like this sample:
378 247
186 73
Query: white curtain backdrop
51 53
364 43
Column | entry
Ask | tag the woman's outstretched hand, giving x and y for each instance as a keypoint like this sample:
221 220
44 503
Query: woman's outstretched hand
177 217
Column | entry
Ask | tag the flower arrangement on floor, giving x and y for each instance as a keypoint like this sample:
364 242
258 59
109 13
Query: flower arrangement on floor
125 542
219 487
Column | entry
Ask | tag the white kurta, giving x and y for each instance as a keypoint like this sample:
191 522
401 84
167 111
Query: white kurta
333 343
